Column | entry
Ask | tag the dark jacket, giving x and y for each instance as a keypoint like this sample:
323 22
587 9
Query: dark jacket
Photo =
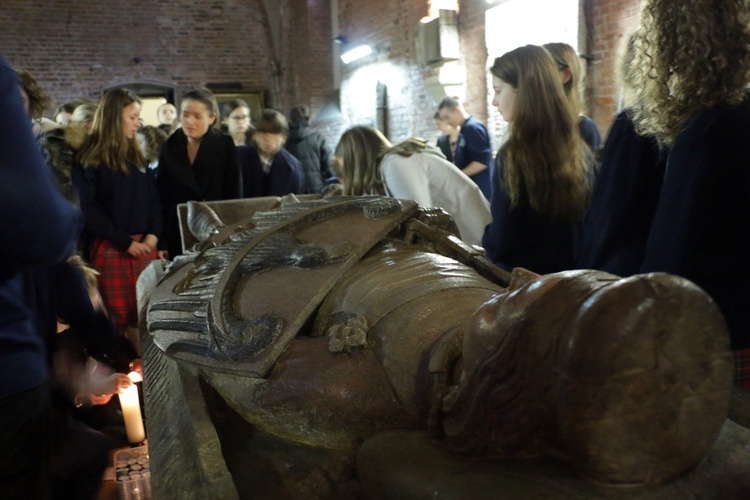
285 175
59 147
39 228
60 291
700 228
589 132
521 237
474 145
309 147
117 205
623 201
214 175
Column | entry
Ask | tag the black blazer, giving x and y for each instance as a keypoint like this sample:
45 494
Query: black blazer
214 175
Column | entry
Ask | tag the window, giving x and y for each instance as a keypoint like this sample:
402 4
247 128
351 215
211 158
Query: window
513 23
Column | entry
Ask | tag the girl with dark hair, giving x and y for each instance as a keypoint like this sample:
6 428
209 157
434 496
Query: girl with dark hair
198 162
119 202
544 170
235 116
267 168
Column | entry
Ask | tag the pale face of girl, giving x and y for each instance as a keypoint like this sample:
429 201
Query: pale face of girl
166 114
269 144
504 99
130 119
142 143
238 121
196 118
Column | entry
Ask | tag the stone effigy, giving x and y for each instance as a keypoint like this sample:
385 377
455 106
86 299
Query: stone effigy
327 322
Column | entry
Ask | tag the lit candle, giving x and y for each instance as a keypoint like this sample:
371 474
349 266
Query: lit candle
131 410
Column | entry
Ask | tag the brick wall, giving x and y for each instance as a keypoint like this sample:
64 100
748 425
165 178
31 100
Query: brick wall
75 49
474 53
306 58
78 48
391 27
609 24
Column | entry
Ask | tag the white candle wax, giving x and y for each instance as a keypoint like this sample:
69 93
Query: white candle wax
131 413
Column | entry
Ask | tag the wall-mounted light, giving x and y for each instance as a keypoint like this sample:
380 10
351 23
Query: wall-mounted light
357 52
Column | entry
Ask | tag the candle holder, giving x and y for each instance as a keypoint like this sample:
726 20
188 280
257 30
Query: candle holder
133 473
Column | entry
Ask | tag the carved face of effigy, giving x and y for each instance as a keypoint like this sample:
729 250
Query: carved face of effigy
629 377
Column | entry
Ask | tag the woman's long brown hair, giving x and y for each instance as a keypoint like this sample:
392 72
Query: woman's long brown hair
544 160
107 144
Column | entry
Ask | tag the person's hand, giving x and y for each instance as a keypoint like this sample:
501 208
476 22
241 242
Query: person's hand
112 384
137 249
137 366
151 241
99 399
163 254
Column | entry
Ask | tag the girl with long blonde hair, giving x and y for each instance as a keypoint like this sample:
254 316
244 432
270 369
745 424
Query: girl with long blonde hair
119 202
571 73
411 170
544 170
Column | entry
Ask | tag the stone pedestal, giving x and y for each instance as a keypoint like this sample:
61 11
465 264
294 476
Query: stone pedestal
410 465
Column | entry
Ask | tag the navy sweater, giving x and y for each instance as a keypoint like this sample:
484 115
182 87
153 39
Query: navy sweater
521 237
474 145
623 202
117 205
39 228
701 226
285 175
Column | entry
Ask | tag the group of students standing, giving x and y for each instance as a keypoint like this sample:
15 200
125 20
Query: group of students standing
669 192
130 219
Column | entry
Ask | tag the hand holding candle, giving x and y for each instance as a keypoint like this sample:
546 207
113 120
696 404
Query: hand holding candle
131 410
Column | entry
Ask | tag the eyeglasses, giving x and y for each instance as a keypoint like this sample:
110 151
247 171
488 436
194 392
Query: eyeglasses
240 118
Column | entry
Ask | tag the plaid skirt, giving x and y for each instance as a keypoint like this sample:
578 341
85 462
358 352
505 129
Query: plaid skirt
742 368
118 274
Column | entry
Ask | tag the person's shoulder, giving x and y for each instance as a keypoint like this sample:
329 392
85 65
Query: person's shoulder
297 133
177 137
473 122
586 123
474 128
246 151
289 158
216 136
721 123
6 70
